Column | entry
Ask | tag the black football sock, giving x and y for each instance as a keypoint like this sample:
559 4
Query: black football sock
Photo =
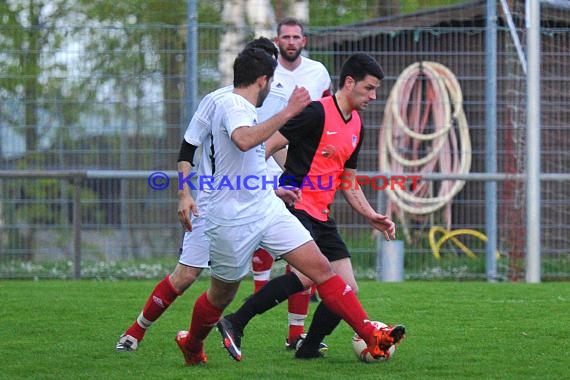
272 294
323 323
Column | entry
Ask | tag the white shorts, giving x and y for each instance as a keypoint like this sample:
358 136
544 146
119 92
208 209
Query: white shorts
195 250
231 247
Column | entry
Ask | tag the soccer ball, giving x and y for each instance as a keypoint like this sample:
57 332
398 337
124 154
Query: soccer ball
361 349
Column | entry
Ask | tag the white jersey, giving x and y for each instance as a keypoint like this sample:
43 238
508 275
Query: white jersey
233 201
310 74
276 100
199 130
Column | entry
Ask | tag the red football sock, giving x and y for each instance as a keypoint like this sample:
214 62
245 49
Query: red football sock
298 309
258 284
341 300
159 300
261 264
204 318
136 331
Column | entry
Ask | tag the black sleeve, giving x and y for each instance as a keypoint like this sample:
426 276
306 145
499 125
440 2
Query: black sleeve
309 122
352 161
187 151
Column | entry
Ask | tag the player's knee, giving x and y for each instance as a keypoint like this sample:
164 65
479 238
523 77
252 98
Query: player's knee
323 274
183 277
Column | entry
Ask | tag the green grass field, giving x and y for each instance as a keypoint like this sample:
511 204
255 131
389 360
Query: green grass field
456 330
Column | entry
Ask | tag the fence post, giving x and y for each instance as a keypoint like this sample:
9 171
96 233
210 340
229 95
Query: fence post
76 182
390 261
533 196
491 140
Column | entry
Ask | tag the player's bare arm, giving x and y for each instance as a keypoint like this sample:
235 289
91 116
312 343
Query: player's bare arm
247 137
186 203
356 199
280 157
275 144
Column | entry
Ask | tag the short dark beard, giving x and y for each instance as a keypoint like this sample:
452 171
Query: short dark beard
283 54
261 98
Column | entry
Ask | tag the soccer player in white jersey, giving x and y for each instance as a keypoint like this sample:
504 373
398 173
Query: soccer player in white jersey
324 143
194 253
241 218
292 70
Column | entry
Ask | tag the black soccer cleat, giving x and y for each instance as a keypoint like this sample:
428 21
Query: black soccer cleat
323 347
303 351
231 338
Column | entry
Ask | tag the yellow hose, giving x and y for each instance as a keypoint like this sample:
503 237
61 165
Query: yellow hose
451 235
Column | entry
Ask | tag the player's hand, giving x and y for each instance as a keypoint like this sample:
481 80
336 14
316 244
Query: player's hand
289 195
186 205
383 224
299 99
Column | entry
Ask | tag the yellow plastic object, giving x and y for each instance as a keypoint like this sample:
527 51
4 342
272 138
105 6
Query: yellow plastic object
451 235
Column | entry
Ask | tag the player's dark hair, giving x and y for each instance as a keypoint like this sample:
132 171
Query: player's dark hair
265 44
290 21
251 64
358 66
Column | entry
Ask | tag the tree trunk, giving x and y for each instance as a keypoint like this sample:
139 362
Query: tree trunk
233 16
261 17
300 10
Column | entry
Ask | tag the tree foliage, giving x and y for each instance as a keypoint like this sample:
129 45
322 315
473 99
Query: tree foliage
29 34
325 13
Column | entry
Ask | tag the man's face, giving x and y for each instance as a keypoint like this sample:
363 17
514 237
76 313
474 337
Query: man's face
264 92
361 93
290 42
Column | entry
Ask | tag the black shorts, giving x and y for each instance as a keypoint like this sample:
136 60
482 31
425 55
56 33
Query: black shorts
325 235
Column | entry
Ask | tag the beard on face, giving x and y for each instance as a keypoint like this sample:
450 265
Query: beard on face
263 95
291 58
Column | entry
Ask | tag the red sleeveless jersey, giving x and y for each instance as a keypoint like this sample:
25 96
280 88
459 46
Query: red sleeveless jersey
321 145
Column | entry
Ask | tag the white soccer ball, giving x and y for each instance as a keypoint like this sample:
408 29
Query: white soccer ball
361 349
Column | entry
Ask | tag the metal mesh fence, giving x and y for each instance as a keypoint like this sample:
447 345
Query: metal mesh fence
111 97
